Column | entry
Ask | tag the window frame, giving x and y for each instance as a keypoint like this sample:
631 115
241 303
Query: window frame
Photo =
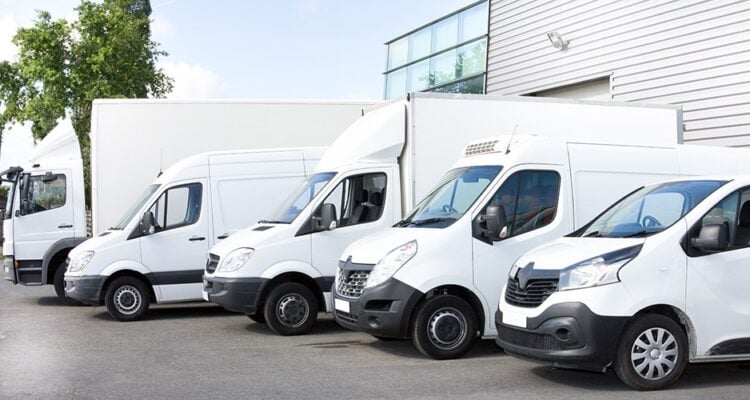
165 194
42 180
694 230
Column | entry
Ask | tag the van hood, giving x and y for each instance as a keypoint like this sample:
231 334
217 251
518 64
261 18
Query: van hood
564 252
253 237
372 248
99 242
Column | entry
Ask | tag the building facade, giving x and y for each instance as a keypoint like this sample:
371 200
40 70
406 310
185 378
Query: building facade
446 55
693 53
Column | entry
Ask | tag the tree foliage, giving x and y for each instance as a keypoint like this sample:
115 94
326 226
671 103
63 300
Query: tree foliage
63 66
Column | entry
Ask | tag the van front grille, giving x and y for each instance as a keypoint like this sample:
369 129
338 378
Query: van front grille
212 263
352 283
533 295
529 340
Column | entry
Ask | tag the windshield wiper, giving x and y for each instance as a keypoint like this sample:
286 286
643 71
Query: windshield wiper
428 221
639 233
267 221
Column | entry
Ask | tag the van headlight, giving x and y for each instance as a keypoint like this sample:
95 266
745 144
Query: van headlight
235 260
597 271
386 267
80 262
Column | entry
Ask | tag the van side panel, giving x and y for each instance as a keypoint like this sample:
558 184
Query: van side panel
247 187
603 174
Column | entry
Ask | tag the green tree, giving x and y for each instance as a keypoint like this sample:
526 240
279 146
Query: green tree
62 67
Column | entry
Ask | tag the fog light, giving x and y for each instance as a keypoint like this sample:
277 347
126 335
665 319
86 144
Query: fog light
562 334
374 322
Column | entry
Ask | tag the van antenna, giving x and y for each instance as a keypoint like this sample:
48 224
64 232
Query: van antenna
161 162
507 149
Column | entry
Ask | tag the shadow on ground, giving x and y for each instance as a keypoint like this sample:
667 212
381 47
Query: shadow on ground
176 312
324 326
695 376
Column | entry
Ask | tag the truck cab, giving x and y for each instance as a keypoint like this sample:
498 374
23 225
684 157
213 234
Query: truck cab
157 251
45 212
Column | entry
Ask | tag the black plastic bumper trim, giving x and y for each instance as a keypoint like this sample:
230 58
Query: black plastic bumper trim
235 294
86 289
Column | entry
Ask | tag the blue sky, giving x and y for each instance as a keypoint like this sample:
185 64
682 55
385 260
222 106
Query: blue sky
265 49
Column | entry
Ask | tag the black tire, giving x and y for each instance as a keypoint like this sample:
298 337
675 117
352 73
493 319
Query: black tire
444 327
258 317
291 309
127 299
58 280
640 367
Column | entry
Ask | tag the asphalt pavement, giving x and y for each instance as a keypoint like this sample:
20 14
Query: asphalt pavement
199 351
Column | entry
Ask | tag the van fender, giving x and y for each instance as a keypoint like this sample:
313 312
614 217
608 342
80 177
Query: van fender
324 282
135 266
62 244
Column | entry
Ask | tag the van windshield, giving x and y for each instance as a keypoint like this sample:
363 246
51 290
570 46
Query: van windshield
650 209
453 196
297 202
150 190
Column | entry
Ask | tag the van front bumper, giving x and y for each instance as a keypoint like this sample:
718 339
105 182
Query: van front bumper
384 310
87 288
566 335
234 294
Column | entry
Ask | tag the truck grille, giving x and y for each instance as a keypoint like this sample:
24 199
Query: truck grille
527 340
533 295
212 263
352 283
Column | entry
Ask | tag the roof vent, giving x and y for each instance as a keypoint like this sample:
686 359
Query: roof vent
485 146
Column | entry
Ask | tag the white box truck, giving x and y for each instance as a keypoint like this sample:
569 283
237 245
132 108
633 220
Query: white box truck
157 251
436 276
131 142
282 271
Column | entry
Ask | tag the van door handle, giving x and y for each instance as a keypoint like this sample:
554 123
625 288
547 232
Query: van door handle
64 226
196 238
223 236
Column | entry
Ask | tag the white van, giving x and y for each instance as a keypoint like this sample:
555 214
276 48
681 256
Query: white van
156 253
658 280
282 271
436 276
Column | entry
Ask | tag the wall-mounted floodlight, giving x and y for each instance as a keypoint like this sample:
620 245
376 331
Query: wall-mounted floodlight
557 41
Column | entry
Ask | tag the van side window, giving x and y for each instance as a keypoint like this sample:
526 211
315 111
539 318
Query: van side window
734 213
530 200
46 192
177 207
358 199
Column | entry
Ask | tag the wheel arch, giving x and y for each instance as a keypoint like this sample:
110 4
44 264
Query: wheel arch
297 277
677 315
458 291
131 273
56 255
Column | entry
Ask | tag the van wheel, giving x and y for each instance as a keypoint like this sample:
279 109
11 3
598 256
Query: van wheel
258 317
291 309
444 327
127 299
59 282
652 353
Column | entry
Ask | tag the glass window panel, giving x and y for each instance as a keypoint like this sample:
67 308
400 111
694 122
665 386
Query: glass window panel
445 34
471 86
395 83
419 44
474 22
472 58
397 53
46 193
419 76
443 68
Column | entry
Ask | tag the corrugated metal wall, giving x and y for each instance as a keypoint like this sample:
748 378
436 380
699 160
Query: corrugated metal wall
695 53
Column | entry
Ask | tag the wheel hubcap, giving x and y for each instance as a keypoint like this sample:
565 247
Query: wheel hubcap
292 310
127 300
447 328
654 354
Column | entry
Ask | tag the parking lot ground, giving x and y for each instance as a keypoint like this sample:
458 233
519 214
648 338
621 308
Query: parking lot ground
199 351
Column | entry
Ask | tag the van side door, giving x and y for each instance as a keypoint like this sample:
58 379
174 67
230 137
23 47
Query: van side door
46 218
361 208
717 299
536 204
175 252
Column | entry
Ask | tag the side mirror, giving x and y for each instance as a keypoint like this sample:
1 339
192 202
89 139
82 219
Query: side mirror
712 237
326 219
147 224
491 226
25 206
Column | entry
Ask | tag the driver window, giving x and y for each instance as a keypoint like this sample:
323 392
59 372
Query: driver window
358 199
46 192
725 213
177 207
530 200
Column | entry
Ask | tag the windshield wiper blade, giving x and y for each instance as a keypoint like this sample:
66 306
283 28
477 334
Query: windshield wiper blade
430 221
638 233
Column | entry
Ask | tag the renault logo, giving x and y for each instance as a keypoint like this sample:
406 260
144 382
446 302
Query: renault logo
524 274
